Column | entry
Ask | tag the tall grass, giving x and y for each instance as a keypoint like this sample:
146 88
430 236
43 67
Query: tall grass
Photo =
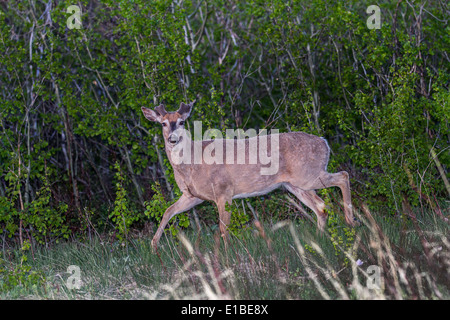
287 260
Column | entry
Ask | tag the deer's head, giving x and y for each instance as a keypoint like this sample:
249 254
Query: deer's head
172 122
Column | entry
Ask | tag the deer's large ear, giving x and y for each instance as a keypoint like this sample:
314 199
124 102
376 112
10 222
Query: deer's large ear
151 114
185 110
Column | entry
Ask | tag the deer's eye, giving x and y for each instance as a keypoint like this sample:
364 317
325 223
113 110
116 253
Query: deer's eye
164 124
181 122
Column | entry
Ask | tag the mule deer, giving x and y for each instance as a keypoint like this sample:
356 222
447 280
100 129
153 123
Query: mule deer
303 160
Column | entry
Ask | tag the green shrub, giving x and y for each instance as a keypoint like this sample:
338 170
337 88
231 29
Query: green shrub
70 100
122 215
21 275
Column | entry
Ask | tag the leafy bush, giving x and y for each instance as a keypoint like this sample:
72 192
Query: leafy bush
22 275
71 98
122 216
239 219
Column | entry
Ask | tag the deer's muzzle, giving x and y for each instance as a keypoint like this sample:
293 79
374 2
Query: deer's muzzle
173 139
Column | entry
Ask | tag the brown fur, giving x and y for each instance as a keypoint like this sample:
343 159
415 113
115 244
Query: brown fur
303 159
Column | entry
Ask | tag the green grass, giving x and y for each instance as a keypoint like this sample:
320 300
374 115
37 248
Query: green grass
290 260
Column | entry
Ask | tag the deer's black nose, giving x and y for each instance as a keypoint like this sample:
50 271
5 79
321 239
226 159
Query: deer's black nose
173 139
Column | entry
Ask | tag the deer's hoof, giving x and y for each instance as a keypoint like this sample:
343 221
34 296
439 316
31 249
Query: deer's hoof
352 221
321 223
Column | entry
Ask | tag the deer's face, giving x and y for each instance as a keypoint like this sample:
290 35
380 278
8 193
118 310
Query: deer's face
172 122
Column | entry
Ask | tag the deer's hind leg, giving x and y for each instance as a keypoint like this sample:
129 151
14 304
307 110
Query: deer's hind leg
312 201
341 180
224 220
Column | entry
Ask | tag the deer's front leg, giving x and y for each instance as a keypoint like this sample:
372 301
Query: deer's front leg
183 204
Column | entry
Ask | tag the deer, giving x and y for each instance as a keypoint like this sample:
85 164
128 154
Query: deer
302 169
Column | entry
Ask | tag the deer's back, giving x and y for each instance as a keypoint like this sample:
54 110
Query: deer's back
295 157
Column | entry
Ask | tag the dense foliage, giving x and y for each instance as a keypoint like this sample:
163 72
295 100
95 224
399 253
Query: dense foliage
70 101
